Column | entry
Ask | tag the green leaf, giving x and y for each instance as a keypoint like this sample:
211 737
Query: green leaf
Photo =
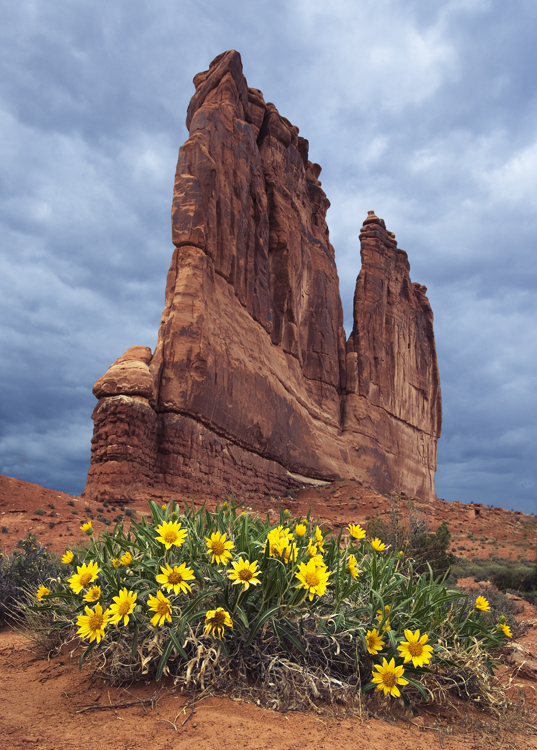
261 620
417 685
85 654
176 640
163 659
134 640
197 601
282 633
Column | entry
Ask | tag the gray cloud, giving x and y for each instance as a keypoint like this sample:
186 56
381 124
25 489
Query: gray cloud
423 111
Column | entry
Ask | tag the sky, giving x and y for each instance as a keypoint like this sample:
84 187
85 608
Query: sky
423 111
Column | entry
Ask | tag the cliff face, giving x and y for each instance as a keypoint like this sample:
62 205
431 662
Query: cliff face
252 380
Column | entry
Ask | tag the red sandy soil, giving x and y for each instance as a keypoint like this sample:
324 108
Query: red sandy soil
50 705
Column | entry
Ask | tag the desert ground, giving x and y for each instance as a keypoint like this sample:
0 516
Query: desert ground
48 704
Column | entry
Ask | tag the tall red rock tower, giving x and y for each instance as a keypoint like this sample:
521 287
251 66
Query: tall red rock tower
252 386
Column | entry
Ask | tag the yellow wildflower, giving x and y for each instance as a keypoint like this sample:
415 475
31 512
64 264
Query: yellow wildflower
319 539
85 574
313 577
278 539
414 648
482 604
67 557
377 545
505 629
219 548
353 567
93 594
87 528
116 562
171 534
123 606
175 579
301 529
374 641
244 572
290 553
314 553
356 531
92 624
162 607
381 615
126 559
388 676
41 592
216 620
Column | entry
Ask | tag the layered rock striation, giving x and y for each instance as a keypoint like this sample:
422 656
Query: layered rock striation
252 386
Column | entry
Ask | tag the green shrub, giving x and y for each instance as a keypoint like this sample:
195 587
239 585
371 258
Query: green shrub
290 611
516 577
30 566
495 570
415 539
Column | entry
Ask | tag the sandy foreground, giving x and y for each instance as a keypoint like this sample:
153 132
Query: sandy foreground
48 704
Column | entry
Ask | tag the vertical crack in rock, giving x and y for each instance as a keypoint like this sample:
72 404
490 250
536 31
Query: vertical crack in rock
252 378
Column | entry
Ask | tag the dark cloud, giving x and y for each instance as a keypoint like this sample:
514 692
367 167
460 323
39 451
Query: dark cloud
424 112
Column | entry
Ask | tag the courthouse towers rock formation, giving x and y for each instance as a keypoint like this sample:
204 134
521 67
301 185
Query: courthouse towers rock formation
252 384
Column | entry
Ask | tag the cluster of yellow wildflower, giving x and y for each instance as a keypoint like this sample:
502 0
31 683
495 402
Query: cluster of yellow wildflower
280 543
296 553
387 675
93 623
313 574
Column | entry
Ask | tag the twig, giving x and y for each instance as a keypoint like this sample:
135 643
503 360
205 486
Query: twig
189 716
169 722
100 707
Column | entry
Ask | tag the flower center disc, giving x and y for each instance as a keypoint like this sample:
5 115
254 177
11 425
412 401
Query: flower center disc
245 574
218 548
170 537
85 578
163 608
217 620
388 679
95 622
416 649
175 577
124 608
312 579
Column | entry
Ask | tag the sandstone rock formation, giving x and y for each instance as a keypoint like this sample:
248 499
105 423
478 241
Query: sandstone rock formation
252 385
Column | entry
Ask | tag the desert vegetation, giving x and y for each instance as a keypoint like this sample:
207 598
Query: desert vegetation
288 613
